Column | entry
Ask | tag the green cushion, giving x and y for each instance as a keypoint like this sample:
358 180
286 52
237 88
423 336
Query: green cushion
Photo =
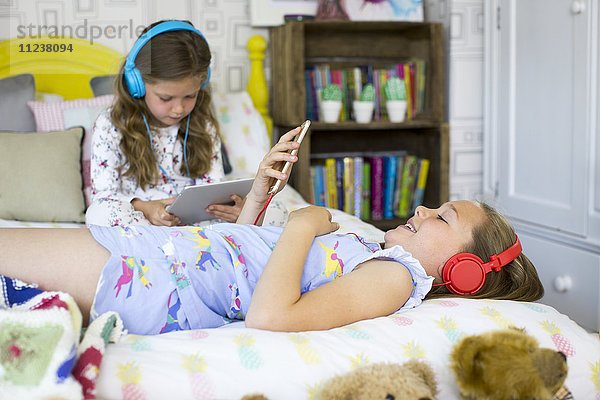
40 176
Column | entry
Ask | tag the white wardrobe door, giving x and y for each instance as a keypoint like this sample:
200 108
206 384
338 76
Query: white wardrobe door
594 219
570 277
543 85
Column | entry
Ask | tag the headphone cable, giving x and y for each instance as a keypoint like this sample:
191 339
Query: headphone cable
185 138
263 209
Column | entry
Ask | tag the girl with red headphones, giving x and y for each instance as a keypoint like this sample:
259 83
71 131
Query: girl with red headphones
301 277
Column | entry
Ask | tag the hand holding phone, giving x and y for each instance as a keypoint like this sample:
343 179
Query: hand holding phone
304 129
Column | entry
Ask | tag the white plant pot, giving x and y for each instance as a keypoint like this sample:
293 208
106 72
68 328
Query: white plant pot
330 110
363 111
396 110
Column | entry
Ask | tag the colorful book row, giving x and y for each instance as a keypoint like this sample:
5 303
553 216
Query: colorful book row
370 186
352 79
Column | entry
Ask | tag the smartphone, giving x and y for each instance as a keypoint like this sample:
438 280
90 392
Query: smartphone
305 125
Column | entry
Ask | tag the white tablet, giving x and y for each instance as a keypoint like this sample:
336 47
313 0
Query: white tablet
191 203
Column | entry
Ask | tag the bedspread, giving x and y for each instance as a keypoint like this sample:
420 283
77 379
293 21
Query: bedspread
226 363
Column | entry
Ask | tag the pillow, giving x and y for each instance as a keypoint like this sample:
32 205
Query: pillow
40 176
244 132
49 116
48 97
102 85
65 114
14 113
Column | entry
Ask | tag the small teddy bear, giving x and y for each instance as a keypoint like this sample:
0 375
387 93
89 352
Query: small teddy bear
413 380
507 364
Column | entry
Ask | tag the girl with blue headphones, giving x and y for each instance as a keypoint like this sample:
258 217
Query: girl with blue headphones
161 133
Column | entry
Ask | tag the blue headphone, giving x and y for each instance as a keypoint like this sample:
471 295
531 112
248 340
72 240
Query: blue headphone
132 77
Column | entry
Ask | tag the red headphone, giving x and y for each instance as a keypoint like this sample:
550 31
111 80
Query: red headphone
464 273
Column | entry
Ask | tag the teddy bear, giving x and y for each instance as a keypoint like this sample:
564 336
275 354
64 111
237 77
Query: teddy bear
413 380
507 364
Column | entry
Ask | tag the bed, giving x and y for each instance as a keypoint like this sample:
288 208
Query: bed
229 362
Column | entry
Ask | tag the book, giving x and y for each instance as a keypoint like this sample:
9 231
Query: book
346 101
421 73
398 184
408 185
421 183
332 195
336 79
348 185
317 184
358 85
389 182
339 182
376 188
408 86
365 209
413 88
358 185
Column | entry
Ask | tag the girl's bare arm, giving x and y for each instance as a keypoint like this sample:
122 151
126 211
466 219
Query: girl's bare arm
375 288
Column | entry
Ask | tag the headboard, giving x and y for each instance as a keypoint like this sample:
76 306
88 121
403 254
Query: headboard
65 73
68 73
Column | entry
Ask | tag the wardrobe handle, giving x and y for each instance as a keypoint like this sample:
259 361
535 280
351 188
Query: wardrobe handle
563 283
577 7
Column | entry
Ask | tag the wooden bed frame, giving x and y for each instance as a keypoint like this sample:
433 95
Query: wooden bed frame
68 73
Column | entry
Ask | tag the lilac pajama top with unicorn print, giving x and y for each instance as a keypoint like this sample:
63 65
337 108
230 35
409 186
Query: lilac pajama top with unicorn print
162 279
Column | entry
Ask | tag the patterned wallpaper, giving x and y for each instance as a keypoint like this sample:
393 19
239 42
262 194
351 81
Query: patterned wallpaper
226 25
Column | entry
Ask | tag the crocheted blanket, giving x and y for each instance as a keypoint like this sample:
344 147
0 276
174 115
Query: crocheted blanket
41 354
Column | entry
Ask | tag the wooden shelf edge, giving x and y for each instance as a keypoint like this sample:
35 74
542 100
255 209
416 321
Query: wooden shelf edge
380 125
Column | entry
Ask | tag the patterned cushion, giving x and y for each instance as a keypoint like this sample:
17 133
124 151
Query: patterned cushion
49 116
244 132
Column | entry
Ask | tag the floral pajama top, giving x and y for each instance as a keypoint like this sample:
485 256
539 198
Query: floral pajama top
114 192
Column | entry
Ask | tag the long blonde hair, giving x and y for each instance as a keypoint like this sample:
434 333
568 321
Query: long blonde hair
518 280
169 56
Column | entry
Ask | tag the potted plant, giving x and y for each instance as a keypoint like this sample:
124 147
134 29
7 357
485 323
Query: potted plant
363 107
331 103
395 94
